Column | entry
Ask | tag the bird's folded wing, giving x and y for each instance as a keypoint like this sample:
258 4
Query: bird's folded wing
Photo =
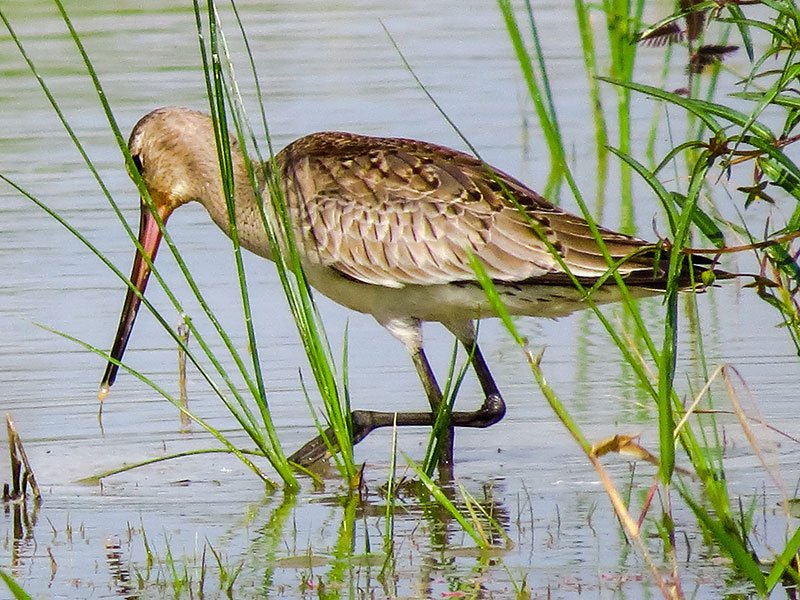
396 212
410 242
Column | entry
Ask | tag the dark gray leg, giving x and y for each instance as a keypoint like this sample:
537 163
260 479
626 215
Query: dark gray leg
364 421
434 394
493 408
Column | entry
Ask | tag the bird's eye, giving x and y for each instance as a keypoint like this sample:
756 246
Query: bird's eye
138 163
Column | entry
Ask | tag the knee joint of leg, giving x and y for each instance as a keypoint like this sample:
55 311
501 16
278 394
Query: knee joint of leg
493 410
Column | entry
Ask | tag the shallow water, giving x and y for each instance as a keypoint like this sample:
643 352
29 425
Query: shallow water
323 66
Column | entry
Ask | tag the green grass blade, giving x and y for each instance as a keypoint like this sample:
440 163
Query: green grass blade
502 312
441 424
480 540
120 140
175 402
706 111
167 239
739 20
16 589
730 543
94 479
668 199
216 89
595 98
539 94
94 250
785 561
703 221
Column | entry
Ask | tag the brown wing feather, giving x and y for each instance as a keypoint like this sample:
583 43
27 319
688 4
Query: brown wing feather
393 212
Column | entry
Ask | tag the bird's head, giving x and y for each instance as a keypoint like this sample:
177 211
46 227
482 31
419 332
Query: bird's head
174 153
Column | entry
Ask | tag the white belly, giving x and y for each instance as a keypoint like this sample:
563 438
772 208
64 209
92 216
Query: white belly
455 301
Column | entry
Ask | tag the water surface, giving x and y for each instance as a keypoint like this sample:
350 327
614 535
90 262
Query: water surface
323 66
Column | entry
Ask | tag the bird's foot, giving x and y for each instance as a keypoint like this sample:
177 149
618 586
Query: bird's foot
315 450
325 445
491 411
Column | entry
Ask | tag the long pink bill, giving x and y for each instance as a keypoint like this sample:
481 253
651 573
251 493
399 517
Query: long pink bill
149 238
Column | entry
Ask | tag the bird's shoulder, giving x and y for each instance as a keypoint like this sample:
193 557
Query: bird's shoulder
370 169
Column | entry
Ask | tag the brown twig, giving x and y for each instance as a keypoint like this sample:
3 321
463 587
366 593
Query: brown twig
732 249
21 471
183 335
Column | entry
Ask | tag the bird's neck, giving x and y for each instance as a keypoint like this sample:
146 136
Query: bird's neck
250 227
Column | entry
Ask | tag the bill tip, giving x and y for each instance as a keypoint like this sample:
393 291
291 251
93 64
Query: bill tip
103 392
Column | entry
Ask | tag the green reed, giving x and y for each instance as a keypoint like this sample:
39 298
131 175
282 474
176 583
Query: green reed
217 91
537 81
238 406
591 68
441 425
623 19
739 139
389 514
439 494
16 589
229 121
222 89
534 361
736 137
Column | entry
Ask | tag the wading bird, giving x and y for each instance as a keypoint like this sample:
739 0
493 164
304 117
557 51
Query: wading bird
386 226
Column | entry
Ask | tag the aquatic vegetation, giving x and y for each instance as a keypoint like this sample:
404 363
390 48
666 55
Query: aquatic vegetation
416 536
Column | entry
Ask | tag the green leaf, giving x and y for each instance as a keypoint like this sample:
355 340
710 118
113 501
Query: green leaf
744 29
16 589
708 112
703 221
784 561
785 262
651 180
731 544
